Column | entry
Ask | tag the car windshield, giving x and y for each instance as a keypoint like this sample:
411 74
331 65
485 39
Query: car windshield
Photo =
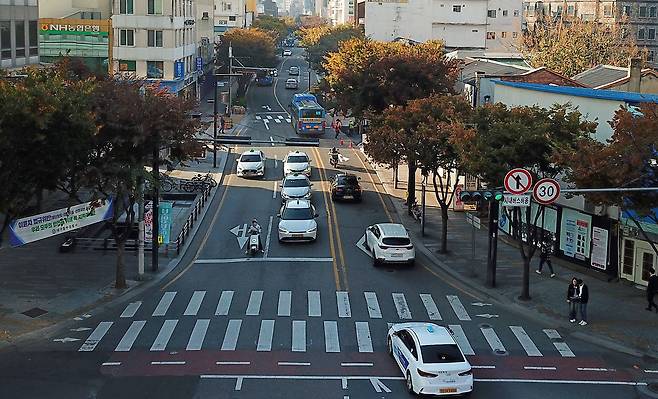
250 158
297 214
396 241
348 180
448 353
297 159
295 183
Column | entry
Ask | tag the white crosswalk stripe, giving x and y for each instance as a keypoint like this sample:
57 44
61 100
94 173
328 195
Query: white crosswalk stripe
277 120
299 336
363 339
231 336
265 336
458 307
164 335
288 120
269 117
430 306
331 342
460 338
255 299
131 309
224 304
285 299
492 339
164 303
130 336
401 306
314 305
198 334
343 301
258 117
195 303
563 349
525 341
96 336
373 305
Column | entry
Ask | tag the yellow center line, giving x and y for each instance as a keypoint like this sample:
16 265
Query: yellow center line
338 239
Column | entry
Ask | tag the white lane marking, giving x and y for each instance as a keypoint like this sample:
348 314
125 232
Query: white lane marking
492 339
378 385
257 117
95 336
356 364
277 120
238 383
430 306
276 160
198 335
343 301
285 298
314 305
274 190
164 335
269 117
299 336
331 343
231 336
269 234
460 337
574 382
232 363
363 339
483 367
265 336
525 341
168 363
594 369
288 120
551 333
255 299
195 303
651 371
224 303
564 349
267 126
539 368
65 340
111 364
248 260
343 383
401 306
373 306
294 363
272 141
130 336
131 309
458 308
165 302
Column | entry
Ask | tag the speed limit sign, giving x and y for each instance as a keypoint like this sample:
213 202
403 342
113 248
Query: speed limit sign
546 191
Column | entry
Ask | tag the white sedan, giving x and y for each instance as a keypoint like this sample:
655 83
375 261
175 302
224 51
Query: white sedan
296 186
297 221
251 163
297 162
389 243
430 360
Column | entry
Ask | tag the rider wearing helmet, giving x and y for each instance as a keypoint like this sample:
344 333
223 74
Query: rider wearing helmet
255 228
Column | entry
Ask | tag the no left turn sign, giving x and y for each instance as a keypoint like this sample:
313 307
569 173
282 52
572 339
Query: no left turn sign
546 191
518 181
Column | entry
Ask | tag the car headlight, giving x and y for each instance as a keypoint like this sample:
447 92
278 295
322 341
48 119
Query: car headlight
261 167
307 195
282 230
313 230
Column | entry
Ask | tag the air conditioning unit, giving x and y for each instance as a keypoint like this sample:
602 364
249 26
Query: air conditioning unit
205 16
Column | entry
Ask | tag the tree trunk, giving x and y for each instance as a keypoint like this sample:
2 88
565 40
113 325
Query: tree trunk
525 291
120 282
5 223
444 229
411 185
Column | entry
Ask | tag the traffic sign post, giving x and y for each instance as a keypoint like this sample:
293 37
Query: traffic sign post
518 181
546 191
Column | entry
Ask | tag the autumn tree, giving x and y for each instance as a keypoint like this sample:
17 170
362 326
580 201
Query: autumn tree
522 137
277 27
573 46
251 47
325 40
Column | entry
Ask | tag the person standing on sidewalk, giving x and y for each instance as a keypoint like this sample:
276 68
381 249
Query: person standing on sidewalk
583 298
337 126
572 299
652 288
545 257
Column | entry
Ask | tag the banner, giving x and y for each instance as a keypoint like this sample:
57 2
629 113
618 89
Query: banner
49 224
165 219
599 257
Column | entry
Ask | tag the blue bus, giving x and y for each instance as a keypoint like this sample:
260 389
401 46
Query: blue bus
264 78
308 117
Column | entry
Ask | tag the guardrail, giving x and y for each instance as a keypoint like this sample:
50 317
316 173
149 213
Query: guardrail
189 223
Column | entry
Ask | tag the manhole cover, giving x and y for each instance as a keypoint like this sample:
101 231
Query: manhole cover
35 312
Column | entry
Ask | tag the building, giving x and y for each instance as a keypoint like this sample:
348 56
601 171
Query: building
494 25
633 78
639 17
205 27
19 33
229 14
341 11
156 39
270 8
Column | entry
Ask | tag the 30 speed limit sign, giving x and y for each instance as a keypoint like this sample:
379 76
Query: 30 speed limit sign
546 191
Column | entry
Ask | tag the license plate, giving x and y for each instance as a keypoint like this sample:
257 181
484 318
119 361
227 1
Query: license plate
348 196
298 235
396 255
448 390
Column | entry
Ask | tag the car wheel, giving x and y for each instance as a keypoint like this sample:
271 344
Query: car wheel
389 347
410 383
412 263
375 262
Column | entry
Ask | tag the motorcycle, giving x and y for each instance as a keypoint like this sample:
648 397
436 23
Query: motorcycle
333 159
254 244
416 211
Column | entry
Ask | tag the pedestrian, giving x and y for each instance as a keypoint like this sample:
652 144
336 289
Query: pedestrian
545 257
221 124
572 299
652 289
583 298
337 126
352 127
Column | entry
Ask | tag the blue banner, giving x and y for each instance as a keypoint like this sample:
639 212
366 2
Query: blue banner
166 215
179 69
199 64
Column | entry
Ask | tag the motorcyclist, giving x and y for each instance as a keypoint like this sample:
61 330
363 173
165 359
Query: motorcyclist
334 154
255 228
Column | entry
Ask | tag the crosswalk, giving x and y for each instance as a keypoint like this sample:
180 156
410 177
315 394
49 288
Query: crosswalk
329 322
274 118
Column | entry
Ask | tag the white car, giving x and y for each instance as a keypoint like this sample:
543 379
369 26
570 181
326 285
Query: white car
297 221
287 53
389 243
295 186
292 83
297 162
251 163
430 359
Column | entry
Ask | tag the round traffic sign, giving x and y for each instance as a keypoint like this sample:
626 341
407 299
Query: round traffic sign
546 191
518 181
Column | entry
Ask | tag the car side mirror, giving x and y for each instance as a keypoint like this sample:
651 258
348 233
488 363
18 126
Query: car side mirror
278 215
237 160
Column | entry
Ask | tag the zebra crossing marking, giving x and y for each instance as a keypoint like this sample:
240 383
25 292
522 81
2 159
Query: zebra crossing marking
401 306
195 303
130 336
363 340
373 306
460 338
314 305
525 341
331 342
165 302
265 336
564 349
224 303
299 336
131 309
198 335
430 306
458 307
277 120
285 299
164 335
96 336
231 336
551 333
493 340
343 301
255 299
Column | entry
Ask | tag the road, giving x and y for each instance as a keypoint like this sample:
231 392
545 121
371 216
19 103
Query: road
305 319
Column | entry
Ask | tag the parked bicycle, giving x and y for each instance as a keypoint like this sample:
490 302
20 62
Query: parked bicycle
207 178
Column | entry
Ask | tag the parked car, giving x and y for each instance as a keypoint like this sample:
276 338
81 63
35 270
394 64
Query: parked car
292 83
389 243
345 186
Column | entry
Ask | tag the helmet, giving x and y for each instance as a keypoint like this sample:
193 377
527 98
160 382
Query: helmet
254 221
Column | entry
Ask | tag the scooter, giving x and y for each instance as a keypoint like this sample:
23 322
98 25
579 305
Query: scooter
416 211
254 244
333 159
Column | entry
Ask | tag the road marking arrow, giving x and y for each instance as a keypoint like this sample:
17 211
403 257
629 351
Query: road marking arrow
81 329
267 126
361 244
240 232
378 385
67 339
480 304
487 315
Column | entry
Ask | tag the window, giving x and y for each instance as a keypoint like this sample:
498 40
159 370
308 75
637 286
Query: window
607 10
447 353
652 12
571 10
34 38
629 257
627 11
126 6
127 66
640 34
19 35
651 56
491 13
491 35
154 7
651 34
503 35
154 69
643 11
126 37
154 38
456 8
516 13
504 13
515 34
226 6
5 40
231 17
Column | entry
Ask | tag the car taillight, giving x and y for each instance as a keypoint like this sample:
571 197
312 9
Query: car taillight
426 374
465 373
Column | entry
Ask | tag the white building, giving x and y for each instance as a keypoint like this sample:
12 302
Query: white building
156 39
229 14
341 11
205 26
494 25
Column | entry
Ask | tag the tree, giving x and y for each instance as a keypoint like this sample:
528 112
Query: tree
572 46
627 159
520 137
277 27
325 40
251 47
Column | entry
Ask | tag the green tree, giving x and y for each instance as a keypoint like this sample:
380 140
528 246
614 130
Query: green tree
572 46
521 137
251 47
328 41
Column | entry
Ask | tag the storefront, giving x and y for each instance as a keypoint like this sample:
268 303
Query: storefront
638 256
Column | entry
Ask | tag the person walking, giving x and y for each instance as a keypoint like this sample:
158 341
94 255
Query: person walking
583 298
572 299
221 124
545 258
337 126
652 289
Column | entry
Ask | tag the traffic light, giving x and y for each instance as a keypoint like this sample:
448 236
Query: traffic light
480 195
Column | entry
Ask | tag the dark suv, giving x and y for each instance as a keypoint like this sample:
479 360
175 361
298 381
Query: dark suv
345 186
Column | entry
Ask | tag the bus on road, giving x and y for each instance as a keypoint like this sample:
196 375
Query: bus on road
308 117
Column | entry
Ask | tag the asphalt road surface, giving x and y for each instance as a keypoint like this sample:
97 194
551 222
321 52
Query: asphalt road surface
306 319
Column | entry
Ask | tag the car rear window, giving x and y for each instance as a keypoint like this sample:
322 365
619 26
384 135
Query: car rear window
448 353
349 180
250 158
396 241
297 214
297 159
295 183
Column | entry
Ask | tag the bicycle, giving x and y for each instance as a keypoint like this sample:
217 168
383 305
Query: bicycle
207 179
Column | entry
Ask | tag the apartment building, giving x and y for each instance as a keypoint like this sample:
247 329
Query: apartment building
156 39
229 14
19 33
342 11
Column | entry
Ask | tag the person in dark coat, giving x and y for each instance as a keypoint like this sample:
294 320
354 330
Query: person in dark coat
583 298
652 289
545 258
572 299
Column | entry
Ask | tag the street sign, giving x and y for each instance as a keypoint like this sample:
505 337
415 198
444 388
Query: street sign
221 84
516 200
473 220
546 191
179 69
199 63
518 181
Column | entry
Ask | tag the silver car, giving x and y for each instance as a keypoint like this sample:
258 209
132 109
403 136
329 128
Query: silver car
292 83
295 186
297 221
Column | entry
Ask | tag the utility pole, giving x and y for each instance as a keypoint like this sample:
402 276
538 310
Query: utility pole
493 244
155 244
214 135
422 199
309 76
230 81
140 224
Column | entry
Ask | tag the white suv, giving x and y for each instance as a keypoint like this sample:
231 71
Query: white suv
297 162
297 221
390 243
251 163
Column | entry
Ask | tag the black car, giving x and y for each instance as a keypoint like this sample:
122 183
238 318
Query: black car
345 186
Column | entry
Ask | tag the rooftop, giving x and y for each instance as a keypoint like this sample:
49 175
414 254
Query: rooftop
602 75
584 92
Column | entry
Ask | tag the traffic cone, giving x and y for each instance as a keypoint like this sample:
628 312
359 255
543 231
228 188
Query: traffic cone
350 144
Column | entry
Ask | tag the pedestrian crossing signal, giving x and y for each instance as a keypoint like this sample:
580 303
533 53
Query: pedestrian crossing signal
481 195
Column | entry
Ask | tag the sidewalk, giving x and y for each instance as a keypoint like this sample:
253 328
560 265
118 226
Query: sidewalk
616 310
